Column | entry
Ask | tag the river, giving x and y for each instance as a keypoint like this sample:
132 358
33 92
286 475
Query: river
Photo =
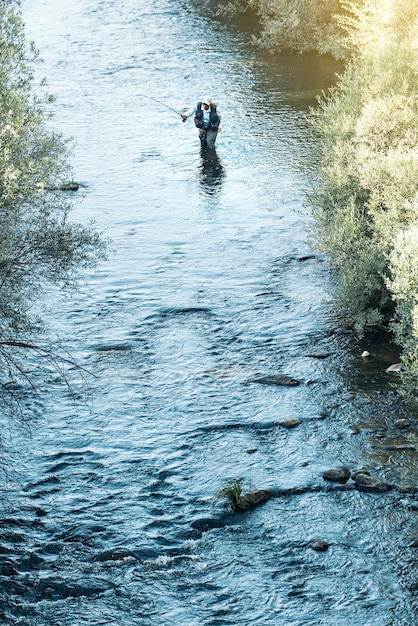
108 507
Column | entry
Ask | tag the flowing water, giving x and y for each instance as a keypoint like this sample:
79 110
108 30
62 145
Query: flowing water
108 512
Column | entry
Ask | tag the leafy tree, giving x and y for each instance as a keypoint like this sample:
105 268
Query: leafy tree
39 245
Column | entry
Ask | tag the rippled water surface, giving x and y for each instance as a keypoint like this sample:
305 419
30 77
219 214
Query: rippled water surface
108 512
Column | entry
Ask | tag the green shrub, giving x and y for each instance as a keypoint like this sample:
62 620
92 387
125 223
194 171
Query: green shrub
367 202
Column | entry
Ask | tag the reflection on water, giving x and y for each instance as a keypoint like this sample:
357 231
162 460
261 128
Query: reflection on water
212 171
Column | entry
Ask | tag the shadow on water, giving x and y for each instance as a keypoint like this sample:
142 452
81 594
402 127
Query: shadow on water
211 172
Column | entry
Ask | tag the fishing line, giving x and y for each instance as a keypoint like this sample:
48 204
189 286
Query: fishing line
159 102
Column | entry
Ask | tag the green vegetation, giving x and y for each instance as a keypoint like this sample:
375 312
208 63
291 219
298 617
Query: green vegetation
231 493
367 203
38 243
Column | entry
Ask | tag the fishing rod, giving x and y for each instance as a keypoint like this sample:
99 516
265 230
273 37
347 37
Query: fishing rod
160 102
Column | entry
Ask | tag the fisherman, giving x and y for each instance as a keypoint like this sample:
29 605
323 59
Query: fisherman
207 119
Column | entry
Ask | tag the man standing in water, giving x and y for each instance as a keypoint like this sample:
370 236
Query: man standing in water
207 119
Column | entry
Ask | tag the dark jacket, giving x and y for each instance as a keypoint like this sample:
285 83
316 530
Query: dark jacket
214 119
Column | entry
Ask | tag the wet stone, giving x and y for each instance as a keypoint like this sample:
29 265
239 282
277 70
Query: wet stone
253 499
340 475
279 379
402 423
394 369
57 589
70 186
358 472
290 423
119 554
34 560
367 483
319 545
207 523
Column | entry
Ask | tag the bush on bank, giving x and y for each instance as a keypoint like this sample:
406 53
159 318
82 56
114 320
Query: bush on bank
367 203
38 243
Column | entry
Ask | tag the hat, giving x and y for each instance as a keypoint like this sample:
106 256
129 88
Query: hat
206 100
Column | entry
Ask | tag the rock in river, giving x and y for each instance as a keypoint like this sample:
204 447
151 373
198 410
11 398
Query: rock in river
364 482
290 423
319 545
253 499
278 379
340 475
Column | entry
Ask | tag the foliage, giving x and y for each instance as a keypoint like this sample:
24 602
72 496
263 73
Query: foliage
38 243
231 492
367 203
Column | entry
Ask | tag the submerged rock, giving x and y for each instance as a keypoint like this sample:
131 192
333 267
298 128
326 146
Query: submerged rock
70 186
118 554
279 379
340 475
203 524
297 491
